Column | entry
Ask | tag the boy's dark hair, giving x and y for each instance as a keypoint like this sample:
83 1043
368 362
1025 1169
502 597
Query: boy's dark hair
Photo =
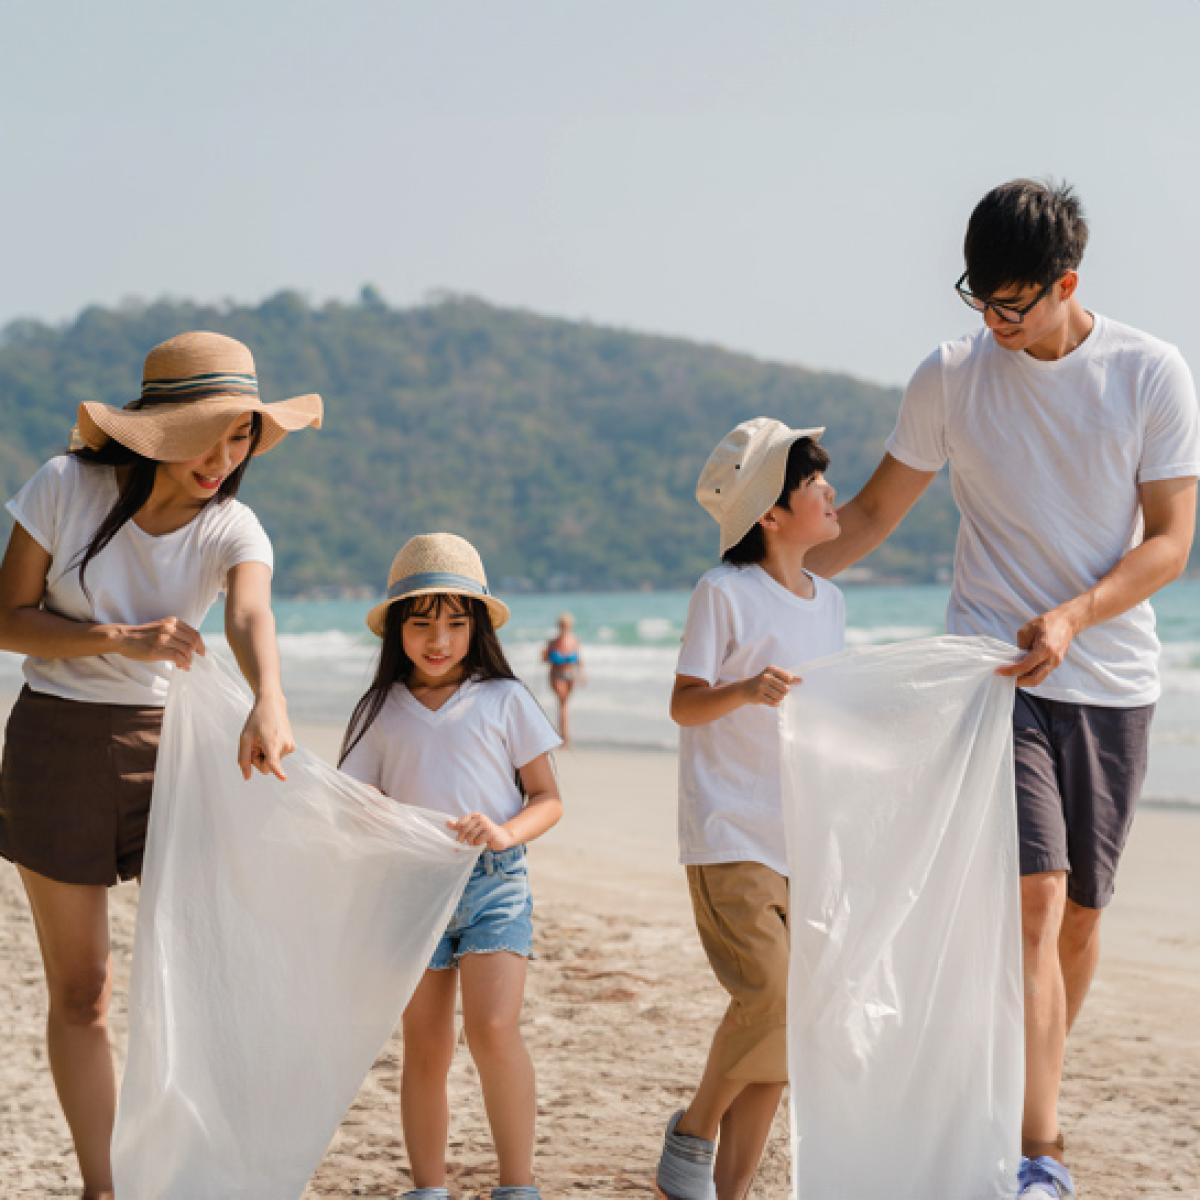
1024 232
805 459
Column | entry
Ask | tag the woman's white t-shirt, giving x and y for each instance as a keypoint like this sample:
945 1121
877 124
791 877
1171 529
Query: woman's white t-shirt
1045 462
137 578
459 759
739 622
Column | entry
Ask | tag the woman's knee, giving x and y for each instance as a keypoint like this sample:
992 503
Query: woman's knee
80 996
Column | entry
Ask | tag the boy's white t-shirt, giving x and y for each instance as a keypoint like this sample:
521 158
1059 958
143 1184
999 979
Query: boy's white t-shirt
739 622
460 759
137 578
1045 462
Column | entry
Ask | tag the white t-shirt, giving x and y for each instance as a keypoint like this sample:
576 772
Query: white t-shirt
740 621
1045 461
460 759
138 577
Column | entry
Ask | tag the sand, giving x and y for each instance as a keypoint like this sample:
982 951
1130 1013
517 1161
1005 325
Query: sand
621 1005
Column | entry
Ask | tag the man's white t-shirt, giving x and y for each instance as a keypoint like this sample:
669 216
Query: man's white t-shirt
137 578
459 759
1045 462
739 622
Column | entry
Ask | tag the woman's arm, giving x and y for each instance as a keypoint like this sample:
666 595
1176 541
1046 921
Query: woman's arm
250 629
542 811
27 628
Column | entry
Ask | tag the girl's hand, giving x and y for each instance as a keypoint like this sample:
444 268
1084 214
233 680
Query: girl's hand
769 686
169 640
476 829
266 738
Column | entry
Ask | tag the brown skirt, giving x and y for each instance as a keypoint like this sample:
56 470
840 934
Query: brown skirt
75 787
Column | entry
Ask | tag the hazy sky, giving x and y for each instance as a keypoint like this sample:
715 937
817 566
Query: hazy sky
790 179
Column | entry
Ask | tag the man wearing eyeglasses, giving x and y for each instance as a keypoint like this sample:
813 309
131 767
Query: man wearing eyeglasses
1074 447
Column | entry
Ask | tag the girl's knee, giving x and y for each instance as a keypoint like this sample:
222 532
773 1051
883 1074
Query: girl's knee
493 1034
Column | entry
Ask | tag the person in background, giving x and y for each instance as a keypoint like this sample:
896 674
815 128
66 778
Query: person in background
563 655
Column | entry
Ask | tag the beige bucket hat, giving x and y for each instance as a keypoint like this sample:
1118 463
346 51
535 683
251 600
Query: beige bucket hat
193 385
744 475
436 562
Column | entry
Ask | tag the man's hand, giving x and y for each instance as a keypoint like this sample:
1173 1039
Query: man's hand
1045 640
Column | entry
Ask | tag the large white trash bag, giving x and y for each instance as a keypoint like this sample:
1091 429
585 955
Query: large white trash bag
281 930
905 1040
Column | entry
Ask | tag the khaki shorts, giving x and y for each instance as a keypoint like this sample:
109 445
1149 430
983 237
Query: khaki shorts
741 914
75 787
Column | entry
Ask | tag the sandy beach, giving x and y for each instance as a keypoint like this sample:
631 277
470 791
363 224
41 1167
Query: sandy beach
621 1004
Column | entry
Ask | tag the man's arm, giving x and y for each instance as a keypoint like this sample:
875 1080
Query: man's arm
871 516
1169 518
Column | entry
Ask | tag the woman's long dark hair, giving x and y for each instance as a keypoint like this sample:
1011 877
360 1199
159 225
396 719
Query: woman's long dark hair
484 659
139 483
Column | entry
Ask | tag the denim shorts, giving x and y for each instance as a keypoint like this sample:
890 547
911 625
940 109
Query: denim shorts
495 912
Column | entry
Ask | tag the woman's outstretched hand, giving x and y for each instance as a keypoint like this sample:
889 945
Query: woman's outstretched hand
266 738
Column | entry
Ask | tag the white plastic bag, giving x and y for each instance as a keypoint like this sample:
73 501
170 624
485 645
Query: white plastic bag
905 1040
281 930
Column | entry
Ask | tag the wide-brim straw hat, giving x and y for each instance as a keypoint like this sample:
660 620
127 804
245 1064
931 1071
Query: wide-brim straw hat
744 475
193 386
436 562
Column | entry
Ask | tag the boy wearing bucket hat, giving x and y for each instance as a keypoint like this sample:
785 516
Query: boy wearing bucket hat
446 725
119 548
751 623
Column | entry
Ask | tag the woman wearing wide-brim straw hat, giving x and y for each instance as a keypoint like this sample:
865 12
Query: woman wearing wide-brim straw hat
118 550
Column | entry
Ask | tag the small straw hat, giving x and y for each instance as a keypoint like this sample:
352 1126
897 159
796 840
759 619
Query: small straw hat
193 385
744 475
436 562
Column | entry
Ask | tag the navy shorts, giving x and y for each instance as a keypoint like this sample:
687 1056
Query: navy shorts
1080 769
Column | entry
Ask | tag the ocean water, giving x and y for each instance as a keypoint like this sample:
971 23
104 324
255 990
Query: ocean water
630 640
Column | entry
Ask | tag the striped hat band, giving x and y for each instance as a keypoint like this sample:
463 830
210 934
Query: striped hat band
449 580
196 387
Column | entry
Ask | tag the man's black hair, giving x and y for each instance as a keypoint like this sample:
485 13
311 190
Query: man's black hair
805 459
1024 233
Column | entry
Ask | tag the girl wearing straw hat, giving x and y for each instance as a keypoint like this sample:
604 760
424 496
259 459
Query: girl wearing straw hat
119 549
446 725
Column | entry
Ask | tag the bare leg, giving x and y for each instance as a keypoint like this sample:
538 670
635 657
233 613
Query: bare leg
72 929
714 1095
1043 898
493 987
744 1132
1079 952
562 690
428 1048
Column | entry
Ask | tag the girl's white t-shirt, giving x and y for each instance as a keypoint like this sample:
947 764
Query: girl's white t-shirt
137 578
739 622
1045 462
459 759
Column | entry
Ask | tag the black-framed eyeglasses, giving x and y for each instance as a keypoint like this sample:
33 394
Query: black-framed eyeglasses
1010 314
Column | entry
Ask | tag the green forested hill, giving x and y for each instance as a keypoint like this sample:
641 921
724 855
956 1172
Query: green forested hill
567 452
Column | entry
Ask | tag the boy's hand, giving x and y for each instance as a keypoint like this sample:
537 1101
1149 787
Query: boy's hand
477 829
769 686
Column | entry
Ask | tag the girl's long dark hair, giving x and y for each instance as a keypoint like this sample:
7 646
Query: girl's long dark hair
484 659
139 483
